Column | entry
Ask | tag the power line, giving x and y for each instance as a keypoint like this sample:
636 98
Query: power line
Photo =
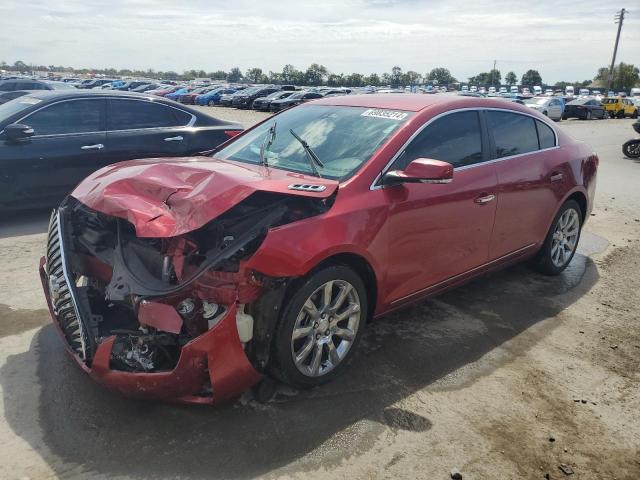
619 19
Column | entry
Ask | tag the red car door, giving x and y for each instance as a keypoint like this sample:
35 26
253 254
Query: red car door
438 231
532 179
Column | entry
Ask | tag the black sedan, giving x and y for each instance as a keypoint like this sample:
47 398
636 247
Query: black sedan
49 141
584 108
296 99
246 97
28 84
262 103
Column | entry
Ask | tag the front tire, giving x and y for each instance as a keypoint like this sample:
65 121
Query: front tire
320 327
588 115
561 241
631 149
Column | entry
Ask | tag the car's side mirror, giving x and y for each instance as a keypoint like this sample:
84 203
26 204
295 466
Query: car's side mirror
17 132
421 170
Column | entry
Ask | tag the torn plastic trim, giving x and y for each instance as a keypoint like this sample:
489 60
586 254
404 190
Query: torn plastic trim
125 282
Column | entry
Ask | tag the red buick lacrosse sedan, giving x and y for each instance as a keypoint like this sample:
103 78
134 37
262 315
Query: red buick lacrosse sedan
191 279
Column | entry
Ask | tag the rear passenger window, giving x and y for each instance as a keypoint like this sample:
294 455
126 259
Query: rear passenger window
546 137
455 138
133 114
513 134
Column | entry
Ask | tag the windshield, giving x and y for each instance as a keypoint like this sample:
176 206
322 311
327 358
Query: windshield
17 105
343 138
610 100
536 101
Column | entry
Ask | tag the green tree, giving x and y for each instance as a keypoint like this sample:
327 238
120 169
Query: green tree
531 78
289 74
254 75
511 78
396 76
218 75
411 78
354 80
234 75
21 67
315 74
440 76
335 80
625 77
372 79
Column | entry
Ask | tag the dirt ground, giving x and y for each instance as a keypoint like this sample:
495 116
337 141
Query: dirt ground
508 377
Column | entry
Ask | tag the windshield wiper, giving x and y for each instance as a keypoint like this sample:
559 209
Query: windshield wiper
313 158
266 144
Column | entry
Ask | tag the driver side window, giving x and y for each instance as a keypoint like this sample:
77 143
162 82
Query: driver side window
455 138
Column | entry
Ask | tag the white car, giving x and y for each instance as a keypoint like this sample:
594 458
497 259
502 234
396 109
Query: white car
503 90
492 89
569 90
473 89
526 91
465 88
537 90
549 106
513 89
548 91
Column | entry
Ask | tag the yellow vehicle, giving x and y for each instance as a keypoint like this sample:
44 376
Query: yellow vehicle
620 107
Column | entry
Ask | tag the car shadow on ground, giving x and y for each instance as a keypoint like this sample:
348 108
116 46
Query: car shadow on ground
27 222
78 425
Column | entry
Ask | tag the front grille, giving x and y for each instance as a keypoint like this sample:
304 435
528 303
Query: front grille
61 290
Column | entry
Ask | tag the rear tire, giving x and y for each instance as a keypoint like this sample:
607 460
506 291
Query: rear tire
631 149
320 327
635 113
561 241
620 114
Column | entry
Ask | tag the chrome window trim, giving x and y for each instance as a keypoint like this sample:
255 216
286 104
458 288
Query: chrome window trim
375 186
189 124
56 103
106 97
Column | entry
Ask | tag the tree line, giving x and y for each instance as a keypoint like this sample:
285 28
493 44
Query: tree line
625 76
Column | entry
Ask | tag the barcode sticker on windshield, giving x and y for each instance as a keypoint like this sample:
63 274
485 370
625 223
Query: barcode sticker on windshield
382 113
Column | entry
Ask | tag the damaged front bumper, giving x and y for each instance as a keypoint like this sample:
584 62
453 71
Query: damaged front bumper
211 366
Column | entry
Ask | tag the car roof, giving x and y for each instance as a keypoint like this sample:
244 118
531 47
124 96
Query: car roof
417 102
60 94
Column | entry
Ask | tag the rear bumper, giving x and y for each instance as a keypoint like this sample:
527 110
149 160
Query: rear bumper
212 367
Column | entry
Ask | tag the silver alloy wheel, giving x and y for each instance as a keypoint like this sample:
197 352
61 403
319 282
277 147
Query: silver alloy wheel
325 328
565 237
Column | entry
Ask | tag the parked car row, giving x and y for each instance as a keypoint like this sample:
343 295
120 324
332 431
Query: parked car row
50 140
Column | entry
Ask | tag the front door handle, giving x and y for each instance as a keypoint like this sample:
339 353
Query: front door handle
97 146
174 139
557 176
484 199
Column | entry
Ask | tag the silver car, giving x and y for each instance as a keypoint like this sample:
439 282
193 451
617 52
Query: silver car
549 106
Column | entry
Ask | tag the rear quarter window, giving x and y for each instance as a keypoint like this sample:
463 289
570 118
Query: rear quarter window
546 137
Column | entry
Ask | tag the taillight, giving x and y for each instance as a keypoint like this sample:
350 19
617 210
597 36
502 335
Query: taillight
232 133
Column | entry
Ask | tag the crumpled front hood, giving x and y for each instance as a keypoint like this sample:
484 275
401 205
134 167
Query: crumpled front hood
167 197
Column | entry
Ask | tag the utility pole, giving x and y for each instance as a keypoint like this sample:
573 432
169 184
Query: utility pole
493 73
619 18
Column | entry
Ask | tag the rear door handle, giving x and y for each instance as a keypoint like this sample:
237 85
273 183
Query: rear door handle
484 199
174 139
97 146
557 176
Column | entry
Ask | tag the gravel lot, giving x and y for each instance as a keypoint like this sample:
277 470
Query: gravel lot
505 378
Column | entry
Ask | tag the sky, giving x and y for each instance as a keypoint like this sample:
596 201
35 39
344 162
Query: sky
562 39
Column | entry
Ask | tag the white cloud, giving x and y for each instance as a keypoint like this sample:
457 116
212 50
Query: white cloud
568 41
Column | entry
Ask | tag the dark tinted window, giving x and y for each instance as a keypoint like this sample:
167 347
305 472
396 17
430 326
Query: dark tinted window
545 135
76 116
312 95
130 114
513 134
454 138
